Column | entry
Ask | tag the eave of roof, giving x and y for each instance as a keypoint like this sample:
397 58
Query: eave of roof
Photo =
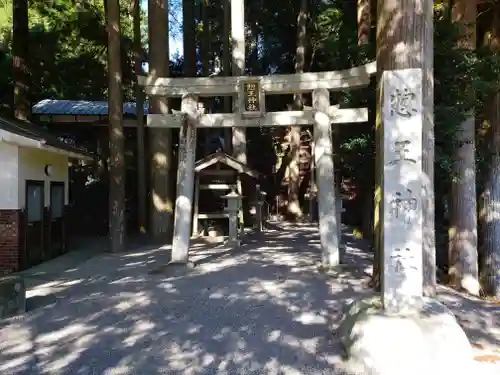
26 134
223 157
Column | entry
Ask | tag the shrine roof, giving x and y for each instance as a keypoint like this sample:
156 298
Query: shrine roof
226 159
81 108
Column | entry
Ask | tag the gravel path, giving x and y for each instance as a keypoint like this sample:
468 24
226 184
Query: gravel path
261 309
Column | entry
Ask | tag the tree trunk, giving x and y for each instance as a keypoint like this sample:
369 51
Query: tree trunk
253 58
116 134
491 196
205 38
364 22
189 40
226 66
428 155
491 226
160 140
463 260
410 24
205 60
294 211
20 42
364 25
239 136
139 102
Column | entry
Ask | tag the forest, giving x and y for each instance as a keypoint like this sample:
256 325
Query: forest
69 49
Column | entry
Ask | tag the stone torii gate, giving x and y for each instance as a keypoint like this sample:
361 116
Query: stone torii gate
250 93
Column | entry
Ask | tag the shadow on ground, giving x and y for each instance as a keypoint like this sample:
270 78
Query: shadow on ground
259 309
480 319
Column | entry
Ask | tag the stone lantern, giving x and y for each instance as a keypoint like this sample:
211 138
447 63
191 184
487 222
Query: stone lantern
261 199
233 208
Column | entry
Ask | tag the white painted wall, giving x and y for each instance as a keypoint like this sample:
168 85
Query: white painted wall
9 179
32 164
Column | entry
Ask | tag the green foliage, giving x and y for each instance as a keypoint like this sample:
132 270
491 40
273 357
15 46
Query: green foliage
463 82
68 59
68 51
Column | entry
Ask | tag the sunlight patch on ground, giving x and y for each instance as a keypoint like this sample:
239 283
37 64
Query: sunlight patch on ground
77 338
220 265
257 309
310 318
18 348
139 331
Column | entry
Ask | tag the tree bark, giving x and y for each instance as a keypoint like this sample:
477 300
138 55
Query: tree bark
205 38
364 22
294 211
189 39
139 102
116 133
491 226
491 196
20 42
205 59
428 155
463 259
160 140
226 66
239 135
405 32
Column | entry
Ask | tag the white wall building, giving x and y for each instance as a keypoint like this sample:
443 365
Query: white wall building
34 194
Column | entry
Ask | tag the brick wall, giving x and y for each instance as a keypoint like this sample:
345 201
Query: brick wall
10 235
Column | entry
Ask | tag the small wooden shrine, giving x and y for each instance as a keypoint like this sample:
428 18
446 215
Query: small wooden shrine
217 175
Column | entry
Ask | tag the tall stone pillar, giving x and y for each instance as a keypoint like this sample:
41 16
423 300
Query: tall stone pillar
325 180
185 180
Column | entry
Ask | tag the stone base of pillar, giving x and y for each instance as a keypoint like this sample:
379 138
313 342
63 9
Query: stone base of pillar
427 341
342 253
234 243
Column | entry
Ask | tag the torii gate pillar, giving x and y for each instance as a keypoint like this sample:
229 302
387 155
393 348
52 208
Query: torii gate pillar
325 180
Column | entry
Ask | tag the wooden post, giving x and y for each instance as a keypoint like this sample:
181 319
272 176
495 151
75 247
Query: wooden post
196 205
338 212
258 208
312 185
185 180
325 180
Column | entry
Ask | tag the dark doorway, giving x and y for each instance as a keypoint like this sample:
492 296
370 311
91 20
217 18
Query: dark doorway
35 197
56 218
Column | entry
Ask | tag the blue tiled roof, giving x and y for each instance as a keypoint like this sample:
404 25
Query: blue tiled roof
80 107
